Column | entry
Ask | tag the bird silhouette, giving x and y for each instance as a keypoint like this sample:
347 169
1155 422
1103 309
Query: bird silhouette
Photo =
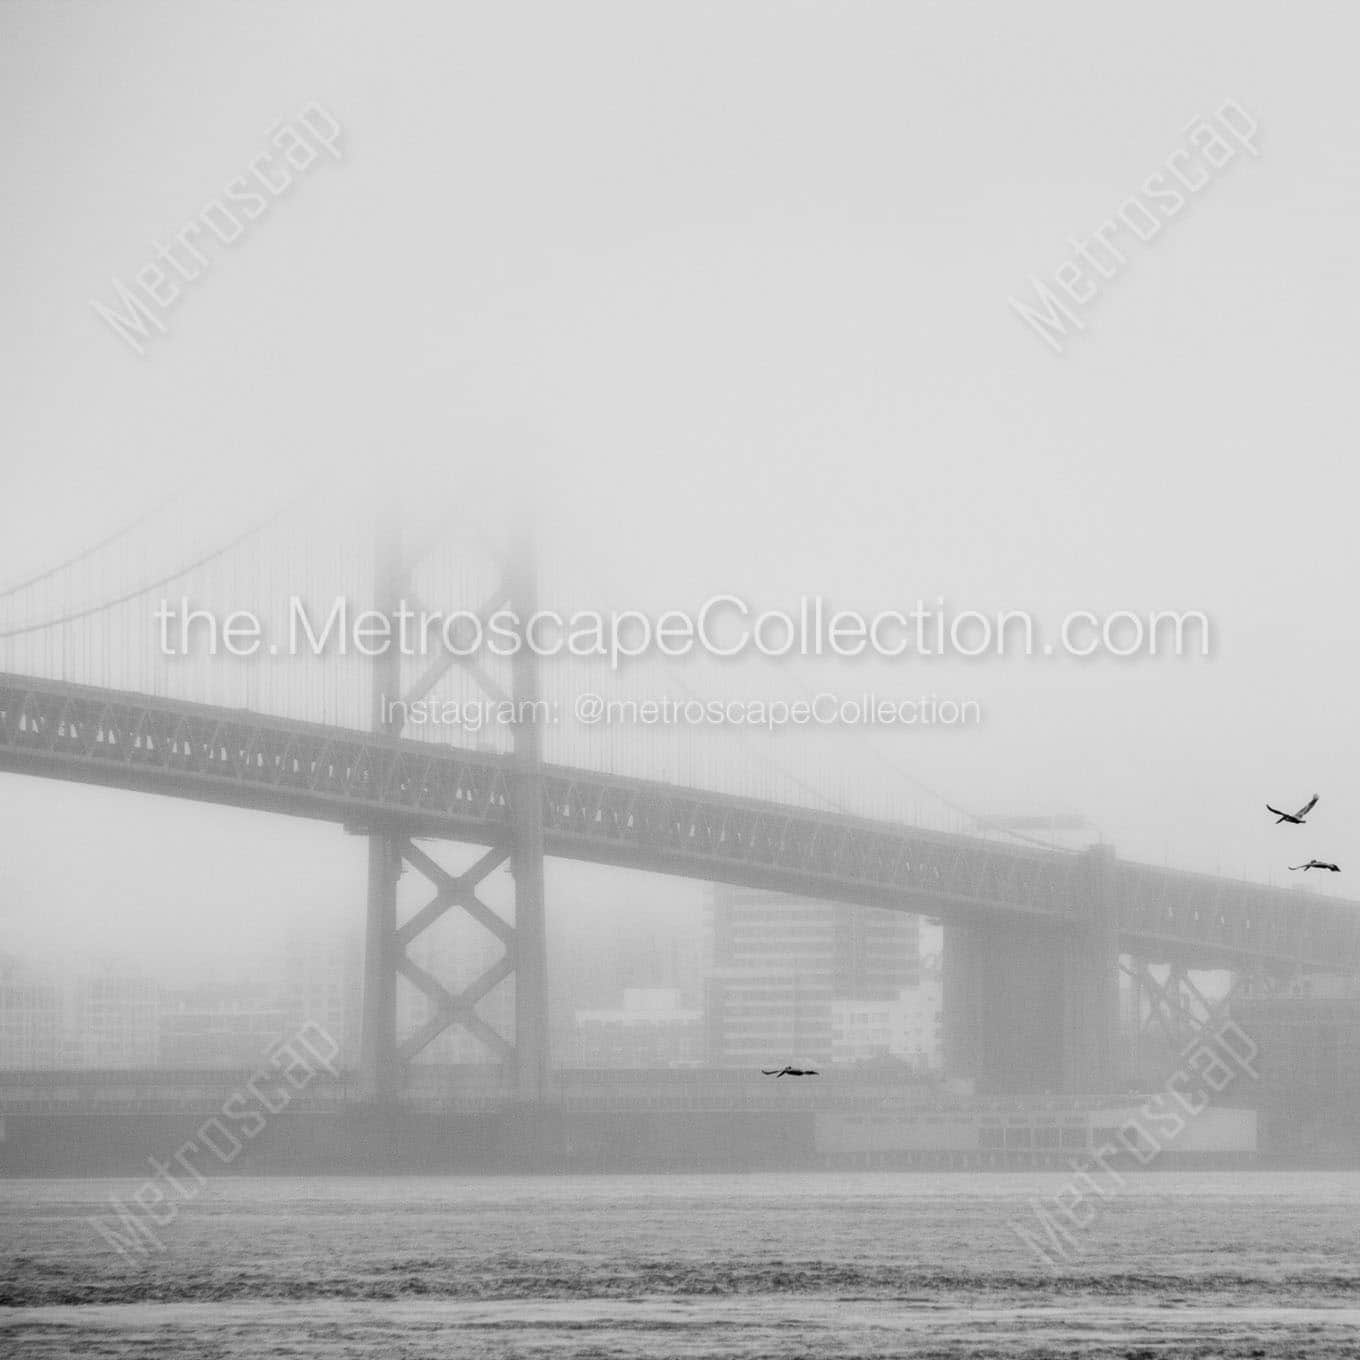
1317 864
788 1072
1294 818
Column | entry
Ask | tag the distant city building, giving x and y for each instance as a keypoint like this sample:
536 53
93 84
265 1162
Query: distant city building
323 985
922 1035
877 952
229 1026
862 1031
111 1018
760 1016
779 965
594 961
650 1029
906 1028
30 1017
683 968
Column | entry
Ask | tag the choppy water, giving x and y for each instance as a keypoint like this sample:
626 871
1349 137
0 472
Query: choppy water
737 1266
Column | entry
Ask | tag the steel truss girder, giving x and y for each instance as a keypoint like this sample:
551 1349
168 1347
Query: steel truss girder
416 788
1176 1006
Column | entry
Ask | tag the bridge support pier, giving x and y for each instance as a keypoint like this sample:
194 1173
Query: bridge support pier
1170 1012
379 1070
1003 1007
1031 1009
526 857
1092 1055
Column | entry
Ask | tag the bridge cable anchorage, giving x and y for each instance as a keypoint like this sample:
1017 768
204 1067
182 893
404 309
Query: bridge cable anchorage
131 526
146 589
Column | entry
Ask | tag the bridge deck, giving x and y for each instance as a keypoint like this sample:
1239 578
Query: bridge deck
186 750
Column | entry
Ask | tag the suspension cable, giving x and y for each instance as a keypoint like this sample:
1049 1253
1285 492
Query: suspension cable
75 615
17 586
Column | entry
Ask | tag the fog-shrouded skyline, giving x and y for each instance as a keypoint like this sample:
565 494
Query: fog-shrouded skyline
675 678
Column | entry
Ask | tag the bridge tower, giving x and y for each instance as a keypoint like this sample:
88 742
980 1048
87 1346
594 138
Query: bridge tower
384 1056
379 1066
1036 1007
526 857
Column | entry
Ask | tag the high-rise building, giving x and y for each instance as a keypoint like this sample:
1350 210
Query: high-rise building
779 964
877 953
921 1039
905 1028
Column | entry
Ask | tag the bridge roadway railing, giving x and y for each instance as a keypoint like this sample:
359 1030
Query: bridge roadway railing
372 782
1206 921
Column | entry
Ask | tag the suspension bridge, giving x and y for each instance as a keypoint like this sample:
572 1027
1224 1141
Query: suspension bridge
1035 938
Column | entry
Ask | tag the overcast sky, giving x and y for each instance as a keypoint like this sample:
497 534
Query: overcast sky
724 290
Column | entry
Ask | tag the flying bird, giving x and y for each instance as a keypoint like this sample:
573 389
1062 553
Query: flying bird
788 1072
1317 864
1294 818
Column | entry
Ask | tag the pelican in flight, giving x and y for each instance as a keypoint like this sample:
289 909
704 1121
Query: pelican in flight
1317 864
788 1072
1294 818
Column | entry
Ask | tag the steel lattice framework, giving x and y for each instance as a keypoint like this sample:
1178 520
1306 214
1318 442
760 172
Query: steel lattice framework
380 784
